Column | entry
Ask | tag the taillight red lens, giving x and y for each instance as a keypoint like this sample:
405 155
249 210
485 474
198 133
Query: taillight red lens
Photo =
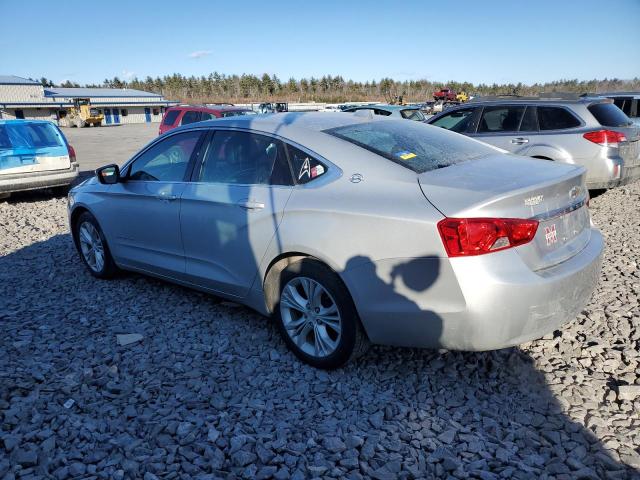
605 137
477 236
72 153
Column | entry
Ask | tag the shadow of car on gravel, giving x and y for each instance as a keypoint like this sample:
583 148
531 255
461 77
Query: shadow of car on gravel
212 391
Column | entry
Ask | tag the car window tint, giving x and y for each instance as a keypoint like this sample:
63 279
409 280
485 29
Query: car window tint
413 145
245 158
529 121
458 121
206 116
556 118
190 116
624 104
501 118
412 114
305 167
167 160
608 115
170 117
378 111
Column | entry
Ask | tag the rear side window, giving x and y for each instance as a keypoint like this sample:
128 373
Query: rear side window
413 145
205 116
608 115
170 117
624 104
412 114
244 158
305 167
458 121
529 121
190 116
556 118
501 119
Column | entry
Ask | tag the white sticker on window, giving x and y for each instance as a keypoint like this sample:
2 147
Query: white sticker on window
305 170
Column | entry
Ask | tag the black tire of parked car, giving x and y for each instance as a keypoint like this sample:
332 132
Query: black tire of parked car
353 341
109 269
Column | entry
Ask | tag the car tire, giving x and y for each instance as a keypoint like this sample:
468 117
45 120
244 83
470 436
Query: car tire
92 247
341 346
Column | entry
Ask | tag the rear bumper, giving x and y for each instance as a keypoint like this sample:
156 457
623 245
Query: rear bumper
35 180
476 303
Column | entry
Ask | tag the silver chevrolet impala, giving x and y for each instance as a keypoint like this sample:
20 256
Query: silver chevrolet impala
350 230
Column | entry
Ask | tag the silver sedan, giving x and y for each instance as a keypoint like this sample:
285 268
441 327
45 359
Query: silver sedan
350 230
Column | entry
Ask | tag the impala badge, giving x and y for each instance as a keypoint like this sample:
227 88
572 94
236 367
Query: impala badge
531 201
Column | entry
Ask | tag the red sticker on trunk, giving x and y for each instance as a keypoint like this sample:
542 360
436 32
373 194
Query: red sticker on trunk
550 234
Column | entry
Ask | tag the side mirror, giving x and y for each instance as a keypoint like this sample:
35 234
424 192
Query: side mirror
109 174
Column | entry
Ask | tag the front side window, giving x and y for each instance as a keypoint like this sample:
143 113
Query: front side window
170 117
413 145
458 121
190 116
305 167
167 160
500 119
244 158
556 118
412 114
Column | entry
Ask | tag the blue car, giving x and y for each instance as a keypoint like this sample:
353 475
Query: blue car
34 154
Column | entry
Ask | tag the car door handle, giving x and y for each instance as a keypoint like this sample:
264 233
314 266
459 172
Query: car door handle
520 140
167 198
250 205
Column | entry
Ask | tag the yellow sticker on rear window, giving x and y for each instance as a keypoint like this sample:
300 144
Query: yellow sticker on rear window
406 155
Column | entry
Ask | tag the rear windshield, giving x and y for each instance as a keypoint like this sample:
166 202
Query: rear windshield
413 145
412 114
608 115
34 135
170 117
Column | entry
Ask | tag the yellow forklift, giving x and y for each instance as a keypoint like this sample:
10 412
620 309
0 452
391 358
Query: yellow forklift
81 114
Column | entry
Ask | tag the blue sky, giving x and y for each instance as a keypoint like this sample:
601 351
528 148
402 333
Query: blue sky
487 41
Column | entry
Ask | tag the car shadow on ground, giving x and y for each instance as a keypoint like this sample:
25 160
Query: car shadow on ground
212 390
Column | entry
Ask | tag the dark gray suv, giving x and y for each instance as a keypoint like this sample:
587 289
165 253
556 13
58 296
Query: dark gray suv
586 131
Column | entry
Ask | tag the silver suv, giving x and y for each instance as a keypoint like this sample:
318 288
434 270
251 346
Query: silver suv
586 131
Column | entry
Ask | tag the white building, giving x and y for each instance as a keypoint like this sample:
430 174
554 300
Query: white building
23 98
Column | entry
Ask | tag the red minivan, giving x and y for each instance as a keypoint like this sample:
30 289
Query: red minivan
185 114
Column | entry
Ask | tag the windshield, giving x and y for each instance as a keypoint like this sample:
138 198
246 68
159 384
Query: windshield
412 114
25 135
416 146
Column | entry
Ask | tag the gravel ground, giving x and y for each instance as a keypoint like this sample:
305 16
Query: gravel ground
211 391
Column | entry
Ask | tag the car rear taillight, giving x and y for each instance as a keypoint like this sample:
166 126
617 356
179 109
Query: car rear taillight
607 138
476 236
72 153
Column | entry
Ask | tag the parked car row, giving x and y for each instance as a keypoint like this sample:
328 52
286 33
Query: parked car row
588 131
350 230
186 114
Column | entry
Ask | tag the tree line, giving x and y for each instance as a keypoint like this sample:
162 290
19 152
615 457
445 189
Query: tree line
218 87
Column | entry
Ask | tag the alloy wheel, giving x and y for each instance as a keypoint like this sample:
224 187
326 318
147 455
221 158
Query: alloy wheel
91 246
310 317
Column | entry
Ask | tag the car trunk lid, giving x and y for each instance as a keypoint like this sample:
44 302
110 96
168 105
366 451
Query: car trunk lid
508 186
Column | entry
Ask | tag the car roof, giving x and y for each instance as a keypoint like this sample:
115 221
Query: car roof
388 107
535 100
20 121
203 108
